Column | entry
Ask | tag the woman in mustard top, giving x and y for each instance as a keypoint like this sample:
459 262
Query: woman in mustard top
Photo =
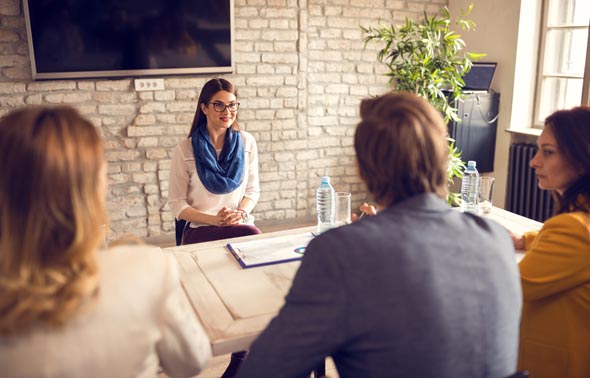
555 271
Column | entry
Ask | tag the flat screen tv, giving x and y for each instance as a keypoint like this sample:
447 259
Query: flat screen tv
122 38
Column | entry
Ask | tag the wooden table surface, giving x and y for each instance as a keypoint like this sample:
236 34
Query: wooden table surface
235 304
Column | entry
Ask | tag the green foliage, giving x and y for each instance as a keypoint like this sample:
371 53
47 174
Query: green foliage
455 168
426 57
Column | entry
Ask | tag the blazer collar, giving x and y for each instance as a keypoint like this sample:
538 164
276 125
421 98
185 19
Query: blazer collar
428 202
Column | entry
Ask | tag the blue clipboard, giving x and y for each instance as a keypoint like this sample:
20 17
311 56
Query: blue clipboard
269 251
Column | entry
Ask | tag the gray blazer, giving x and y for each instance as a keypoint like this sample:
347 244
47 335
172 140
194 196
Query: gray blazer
419 290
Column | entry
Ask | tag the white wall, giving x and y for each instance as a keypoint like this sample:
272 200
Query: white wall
512 41
496 35
301 71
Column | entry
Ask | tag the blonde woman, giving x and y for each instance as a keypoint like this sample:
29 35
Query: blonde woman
67 308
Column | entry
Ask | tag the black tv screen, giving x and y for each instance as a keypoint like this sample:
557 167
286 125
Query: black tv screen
115 38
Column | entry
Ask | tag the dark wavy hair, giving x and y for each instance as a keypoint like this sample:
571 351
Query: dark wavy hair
209 89
571 129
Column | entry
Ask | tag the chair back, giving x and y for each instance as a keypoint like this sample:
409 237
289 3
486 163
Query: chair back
519 374
179 225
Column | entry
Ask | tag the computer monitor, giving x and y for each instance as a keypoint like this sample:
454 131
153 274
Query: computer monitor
479 78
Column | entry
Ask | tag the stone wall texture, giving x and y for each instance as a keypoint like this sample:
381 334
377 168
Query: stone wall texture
301 70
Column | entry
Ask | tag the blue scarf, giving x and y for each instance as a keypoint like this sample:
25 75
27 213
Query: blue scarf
223 175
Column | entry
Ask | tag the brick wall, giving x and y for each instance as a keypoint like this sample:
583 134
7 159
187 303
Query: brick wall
301 71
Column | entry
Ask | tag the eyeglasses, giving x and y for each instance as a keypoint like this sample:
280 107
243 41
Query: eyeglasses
220 106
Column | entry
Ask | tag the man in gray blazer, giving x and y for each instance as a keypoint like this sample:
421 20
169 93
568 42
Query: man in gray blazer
419 290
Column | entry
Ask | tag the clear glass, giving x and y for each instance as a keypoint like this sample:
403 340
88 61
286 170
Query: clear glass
558 93
566 39
568 12
343 212
486 191
565 52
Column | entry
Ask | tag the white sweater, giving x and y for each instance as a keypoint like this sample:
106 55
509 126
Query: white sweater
185 188
142 320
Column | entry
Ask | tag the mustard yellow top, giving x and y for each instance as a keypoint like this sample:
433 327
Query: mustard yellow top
555 274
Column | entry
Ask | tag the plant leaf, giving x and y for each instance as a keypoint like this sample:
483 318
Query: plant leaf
426 57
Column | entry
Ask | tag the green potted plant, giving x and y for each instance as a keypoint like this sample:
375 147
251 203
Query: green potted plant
426 57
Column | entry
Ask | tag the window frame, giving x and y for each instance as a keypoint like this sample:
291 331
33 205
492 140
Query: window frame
586 79
545 28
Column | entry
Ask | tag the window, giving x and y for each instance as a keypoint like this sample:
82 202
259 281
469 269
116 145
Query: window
564 70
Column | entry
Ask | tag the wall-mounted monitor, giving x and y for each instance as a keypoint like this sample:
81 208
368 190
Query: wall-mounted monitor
122 38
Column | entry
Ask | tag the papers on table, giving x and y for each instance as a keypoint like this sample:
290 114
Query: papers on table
270 251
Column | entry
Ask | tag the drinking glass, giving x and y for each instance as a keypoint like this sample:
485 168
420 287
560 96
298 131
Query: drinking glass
486 191
342 209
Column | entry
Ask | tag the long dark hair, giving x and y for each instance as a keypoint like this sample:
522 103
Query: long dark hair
571 129
209 89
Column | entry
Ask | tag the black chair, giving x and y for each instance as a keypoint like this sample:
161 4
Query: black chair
519 374
179 225
319 371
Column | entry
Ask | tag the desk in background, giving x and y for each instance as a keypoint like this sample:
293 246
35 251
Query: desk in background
235 304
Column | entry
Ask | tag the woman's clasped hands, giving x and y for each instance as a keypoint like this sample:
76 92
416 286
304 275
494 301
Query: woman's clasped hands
229 217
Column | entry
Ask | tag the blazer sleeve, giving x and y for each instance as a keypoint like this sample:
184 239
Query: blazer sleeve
253 184
558 258
178 183
184 347
310 325
528 238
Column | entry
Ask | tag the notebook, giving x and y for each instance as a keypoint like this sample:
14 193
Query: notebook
479 78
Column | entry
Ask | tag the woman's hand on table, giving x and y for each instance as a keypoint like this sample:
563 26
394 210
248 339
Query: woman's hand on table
517 240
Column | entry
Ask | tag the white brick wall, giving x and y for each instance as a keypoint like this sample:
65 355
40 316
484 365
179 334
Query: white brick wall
301 71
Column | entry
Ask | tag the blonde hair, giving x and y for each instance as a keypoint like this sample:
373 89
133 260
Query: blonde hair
401 148
52 216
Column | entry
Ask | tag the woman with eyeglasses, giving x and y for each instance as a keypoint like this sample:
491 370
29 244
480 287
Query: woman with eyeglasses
214 172
68 306
214 176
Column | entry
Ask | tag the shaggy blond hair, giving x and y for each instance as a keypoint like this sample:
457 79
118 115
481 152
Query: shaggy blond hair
52 216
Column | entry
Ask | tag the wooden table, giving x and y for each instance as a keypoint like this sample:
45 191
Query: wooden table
514 222
235 304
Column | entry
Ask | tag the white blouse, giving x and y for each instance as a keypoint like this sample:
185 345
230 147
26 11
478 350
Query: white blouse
185 188
142 320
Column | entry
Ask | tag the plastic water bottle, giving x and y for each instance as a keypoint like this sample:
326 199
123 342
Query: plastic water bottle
326 205
470 188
